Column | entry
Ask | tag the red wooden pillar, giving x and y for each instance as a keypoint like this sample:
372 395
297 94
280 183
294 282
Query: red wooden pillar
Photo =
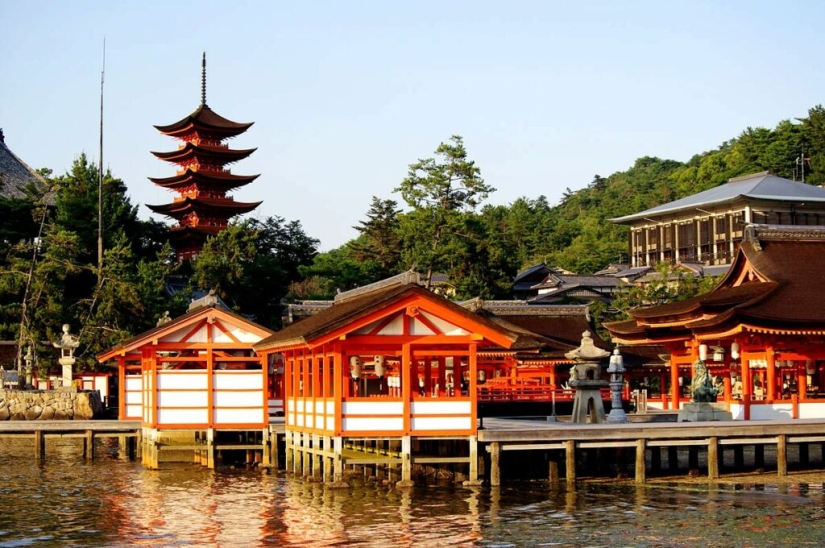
770 393
675 389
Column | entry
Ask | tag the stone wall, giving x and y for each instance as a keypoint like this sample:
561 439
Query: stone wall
62 404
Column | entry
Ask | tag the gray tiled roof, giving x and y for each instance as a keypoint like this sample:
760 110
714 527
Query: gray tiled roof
759 186
15 174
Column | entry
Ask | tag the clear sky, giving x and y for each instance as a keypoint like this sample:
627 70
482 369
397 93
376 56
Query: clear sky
346 94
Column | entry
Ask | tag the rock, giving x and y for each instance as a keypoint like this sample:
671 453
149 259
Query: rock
33 413
82 408
18 417
47 415
4 413
60 415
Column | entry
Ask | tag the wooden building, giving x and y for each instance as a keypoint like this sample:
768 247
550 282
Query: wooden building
201 206
761 331
393 363
708 227
197 373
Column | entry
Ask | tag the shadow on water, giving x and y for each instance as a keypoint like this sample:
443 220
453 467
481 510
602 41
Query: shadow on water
113 502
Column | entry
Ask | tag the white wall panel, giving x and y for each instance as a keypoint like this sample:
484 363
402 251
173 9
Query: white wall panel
182 379
239 416
440 423
176 398
441 407
239 379
373 408
182 416
373 424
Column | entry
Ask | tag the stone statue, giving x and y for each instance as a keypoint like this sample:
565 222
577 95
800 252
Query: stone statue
702 388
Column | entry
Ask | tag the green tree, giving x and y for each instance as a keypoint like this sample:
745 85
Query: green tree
440 191
379 241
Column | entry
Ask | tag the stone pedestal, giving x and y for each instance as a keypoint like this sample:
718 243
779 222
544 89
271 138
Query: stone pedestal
704 411
67 364
587 403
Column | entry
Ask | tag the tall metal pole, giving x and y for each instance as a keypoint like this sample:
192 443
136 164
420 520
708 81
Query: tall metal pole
100 177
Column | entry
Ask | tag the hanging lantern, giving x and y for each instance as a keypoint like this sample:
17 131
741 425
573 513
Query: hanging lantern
703 352
378 362
810 367
355 362
734 350
718 354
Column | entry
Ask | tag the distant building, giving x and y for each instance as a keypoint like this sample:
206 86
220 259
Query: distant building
708 227
541 284
15 174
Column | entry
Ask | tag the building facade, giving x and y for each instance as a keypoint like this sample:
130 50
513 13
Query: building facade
708 227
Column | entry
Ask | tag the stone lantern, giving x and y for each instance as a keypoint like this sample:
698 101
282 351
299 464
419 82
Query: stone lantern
585 380
67 344
616 370
29 358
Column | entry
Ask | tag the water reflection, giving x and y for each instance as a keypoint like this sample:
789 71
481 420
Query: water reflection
112 502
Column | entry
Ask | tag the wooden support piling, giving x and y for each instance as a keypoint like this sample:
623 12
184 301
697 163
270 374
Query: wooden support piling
39 445
495 464
782 455
713 457
570 462
640 461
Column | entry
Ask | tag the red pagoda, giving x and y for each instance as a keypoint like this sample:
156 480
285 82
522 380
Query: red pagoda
201 207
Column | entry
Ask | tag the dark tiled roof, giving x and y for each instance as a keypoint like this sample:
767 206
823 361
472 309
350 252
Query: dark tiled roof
15 174
759 186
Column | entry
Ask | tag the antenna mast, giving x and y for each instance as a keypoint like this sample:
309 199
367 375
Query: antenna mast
100 177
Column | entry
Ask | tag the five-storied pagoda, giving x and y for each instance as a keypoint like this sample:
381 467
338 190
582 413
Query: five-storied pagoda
201 207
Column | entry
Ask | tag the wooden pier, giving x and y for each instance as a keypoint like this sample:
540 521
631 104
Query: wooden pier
647 440
127 432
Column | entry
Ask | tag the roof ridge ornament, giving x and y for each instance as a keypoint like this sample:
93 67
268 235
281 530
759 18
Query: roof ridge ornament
203 80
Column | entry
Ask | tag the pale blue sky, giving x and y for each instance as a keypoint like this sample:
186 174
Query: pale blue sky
345 95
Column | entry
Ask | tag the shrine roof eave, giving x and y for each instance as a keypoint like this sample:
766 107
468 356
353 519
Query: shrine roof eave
181 234
193 316
329 322
718 299
207 119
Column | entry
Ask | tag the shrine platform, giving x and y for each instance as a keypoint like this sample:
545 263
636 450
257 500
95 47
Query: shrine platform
564 444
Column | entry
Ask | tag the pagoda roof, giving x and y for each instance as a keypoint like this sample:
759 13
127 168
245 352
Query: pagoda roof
774 285
223 155
223 180
758 186
206 120
181 207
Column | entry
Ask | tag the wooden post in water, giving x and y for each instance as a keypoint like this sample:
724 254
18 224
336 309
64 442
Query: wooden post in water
759 457
39 445
473 479
553 472
782 455
317 471
338 459
210 448
89 445
713 457
640 461
570 462
693 460
495 464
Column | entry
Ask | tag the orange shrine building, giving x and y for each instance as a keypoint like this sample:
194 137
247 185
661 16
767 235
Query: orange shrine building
195 373
760 331
201 206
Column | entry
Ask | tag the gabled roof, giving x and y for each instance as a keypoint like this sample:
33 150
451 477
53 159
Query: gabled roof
193 316
758 186
348 312
15 174
775 282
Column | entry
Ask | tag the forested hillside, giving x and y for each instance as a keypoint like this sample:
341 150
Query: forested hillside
49 272
482 247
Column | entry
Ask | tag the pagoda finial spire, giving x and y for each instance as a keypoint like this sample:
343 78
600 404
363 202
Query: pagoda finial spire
203 80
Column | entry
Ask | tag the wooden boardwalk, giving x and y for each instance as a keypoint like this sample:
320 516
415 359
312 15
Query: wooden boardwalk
127 432
502 434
